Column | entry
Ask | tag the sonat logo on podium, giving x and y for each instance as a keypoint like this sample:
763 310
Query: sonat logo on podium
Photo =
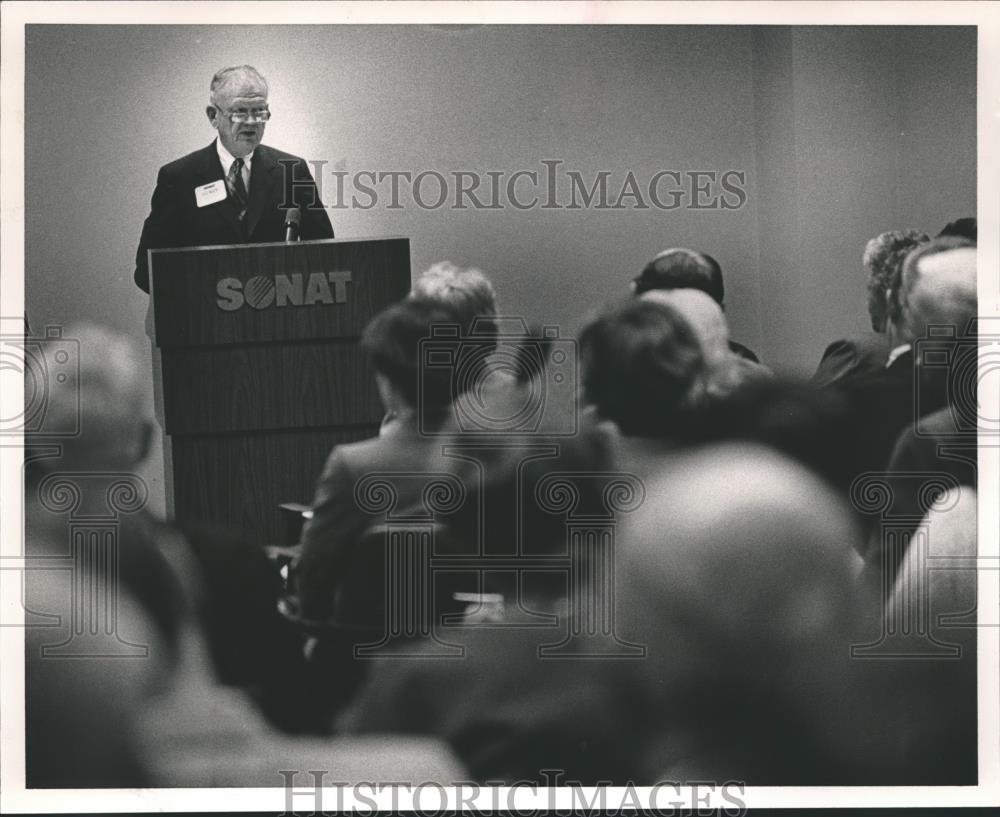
295 289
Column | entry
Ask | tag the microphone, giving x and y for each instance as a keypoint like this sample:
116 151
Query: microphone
293 218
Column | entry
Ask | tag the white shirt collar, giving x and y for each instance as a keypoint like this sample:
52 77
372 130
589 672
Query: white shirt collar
227 158
895 353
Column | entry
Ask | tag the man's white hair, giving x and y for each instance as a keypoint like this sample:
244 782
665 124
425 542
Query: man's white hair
939 290
233 75
104 394
704 316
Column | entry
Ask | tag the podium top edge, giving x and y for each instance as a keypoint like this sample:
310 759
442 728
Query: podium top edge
282 243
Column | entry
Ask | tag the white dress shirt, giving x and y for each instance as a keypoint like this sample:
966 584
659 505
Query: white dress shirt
895 353
227 160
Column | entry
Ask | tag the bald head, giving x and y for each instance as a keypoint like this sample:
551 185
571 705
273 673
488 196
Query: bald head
105 396
938 287
777 640
703 315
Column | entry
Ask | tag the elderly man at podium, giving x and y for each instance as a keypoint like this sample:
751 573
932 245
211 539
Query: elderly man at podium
235 191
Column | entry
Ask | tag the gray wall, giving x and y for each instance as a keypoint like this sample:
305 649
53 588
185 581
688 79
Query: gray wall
842 132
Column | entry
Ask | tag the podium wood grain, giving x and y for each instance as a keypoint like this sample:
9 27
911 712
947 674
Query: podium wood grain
252 398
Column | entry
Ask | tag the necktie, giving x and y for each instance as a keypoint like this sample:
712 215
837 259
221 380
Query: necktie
237 189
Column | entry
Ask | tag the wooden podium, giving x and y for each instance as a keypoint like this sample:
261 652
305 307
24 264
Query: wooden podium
258 372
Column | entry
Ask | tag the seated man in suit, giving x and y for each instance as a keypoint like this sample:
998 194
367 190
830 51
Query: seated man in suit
509 710
883 260
937 288
407 458
235 191
681 268
939 295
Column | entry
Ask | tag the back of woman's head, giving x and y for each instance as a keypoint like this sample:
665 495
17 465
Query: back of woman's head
642 367
468 291
883 259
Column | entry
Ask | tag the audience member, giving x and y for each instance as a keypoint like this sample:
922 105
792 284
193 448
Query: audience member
725 371
510 711
883 261
936 288
643 376
932 613
420 398
680 268
642 368
211 574
939 445
740 581
711 699
936 437
119 684
809 425
106 399
469 293
84 686
600 519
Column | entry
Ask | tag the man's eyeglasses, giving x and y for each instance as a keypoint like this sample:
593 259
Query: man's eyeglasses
241 115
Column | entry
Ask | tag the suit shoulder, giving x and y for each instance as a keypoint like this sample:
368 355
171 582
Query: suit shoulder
180 166
347 456
843 346
866 346
276 155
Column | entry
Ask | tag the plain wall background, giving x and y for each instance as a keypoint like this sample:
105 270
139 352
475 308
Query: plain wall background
843 132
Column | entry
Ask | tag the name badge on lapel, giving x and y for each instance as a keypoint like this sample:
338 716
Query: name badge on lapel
210 193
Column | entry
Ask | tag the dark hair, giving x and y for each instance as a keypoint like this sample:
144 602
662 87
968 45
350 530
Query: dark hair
392 341
807 424
883 258
682 269
641 363
961 228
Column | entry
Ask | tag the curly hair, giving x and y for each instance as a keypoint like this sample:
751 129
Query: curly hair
468 291
883 259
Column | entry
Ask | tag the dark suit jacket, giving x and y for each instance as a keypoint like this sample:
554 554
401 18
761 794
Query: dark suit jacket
175 220
881 405
331 563
849 358
743 351
939 445
508 714
891 399
496 511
